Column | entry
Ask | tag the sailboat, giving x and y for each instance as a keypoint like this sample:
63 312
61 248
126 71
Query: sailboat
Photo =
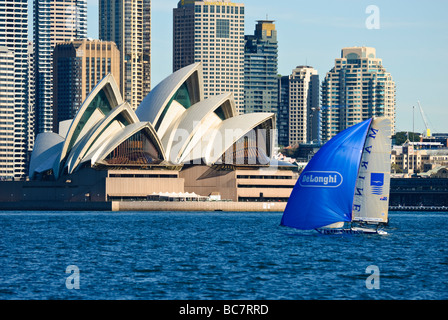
345 186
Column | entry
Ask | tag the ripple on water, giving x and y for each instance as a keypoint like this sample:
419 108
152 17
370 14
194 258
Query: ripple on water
216 256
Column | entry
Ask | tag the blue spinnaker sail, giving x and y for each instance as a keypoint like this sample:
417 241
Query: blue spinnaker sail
324 192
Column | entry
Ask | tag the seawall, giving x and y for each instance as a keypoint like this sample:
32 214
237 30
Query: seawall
199 206
145 206
172 206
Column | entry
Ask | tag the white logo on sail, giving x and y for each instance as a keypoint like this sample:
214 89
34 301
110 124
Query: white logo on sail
321 179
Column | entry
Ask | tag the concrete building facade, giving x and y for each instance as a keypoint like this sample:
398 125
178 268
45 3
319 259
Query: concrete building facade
303 105
408 159
212 33
78 66
358 87
260 69
7 104
14 38
298 118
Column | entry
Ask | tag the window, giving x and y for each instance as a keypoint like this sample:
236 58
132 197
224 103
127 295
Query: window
222 28
137 149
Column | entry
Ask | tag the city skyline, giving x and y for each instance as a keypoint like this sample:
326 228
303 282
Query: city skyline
409 33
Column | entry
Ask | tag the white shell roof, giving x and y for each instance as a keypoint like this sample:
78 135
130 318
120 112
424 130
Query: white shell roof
98 134
205 130
46 147
215 142
194 121
151 108
231 130
110 87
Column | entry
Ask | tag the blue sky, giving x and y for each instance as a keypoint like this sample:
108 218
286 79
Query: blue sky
412 41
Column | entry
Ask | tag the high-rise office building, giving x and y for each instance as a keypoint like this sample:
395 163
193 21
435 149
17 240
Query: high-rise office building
7 103
13 117
358 87
212 33
54 21
303 105
298 107
78 66
283 111
260 69
128 24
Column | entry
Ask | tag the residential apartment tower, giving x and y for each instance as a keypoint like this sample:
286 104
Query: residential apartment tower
128 24
358 87
303 105
260 69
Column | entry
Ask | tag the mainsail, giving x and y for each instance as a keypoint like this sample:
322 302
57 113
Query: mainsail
323 194
371 199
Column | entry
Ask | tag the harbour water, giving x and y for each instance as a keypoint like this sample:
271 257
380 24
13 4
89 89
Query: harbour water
216 255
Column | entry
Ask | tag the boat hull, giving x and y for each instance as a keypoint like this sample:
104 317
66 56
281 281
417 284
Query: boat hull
354 230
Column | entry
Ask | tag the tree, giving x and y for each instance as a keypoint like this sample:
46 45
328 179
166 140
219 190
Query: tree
401 137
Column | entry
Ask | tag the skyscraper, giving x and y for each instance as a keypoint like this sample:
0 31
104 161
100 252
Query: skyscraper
128 24
7 101
212 33
13 92
358 87
283 111
54 21
303 102
260 69
78 66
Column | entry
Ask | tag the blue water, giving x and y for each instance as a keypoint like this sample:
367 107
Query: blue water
218 255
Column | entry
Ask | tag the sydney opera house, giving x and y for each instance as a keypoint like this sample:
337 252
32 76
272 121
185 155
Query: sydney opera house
175 141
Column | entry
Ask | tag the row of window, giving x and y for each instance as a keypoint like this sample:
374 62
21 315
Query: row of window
218 9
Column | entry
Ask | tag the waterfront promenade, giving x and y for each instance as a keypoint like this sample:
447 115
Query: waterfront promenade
227 206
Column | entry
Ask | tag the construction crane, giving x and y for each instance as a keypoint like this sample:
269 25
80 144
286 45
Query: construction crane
428 131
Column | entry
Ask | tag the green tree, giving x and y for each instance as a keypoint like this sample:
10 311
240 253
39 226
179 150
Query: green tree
402 136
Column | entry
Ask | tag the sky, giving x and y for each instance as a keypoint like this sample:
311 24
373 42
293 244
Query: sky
411 39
